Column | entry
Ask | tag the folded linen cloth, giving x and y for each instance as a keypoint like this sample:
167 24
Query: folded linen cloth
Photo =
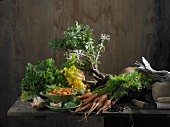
161 105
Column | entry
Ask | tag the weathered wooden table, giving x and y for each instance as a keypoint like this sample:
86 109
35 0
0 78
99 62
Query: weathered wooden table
23 115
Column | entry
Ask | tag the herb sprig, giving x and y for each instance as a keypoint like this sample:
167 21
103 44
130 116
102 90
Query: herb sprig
79 39
119 86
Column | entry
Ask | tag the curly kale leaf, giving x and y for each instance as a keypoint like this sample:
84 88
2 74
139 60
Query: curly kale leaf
37 77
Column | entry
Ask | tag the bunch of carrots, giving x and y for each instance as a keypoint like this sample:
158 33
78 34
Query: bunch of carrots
92 102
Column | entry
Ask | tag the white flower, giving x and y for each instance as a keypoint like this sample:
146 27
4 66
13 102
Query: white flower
105 37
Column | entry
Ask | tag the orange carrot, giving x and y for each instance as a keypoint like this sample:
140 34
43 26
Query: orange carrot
94 102
85 96
106 105
92 107
101 100
100 105
84 107
89 99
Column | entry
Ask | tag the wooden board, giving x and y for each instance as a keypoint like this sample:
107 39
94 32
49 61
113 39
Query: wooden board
25 109
28 116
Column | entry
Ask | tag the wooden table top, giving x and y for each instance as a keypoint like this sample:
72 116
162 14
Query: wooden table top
20 108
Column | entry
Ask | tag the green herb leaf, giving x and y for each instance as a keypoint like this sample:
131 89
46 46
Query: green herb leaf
119 86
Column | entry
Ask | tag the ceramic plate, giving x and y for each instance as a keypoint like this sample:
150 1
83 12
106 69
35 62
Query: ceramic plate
67 106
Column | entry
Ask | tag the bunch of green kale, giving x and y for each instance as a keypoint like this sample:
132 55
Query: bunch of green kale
38 77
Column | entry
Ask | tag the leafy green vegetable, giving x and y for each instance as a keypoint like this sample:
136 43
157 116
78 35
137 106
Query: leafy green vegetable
44 76
37 77
119 86
60 78
26 96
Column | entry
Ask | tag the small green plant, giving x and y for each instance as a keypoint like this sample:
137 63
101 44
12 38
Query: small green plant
78 40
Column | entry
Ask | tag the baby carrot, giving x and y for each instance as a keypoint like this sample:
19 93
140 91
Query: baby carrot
89 99
84 107
106 105
85 96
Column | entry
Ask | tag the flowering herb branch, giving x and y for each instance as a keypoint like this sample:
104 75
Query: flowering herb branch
78 39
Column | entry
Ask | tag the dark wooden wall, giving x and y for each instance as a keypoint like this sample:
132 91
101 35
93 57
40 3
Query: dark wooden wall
137 28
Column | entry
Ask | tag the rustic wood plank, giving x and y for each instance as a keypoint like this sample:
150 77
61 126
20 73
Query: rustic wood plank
6 85
25 115
159 49
62 121
137 122
137 28
24 109
124 21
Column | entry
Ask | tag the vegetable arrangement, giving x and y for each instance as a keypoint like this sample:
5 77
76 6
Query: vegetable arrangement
42 77
118 86
81 57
